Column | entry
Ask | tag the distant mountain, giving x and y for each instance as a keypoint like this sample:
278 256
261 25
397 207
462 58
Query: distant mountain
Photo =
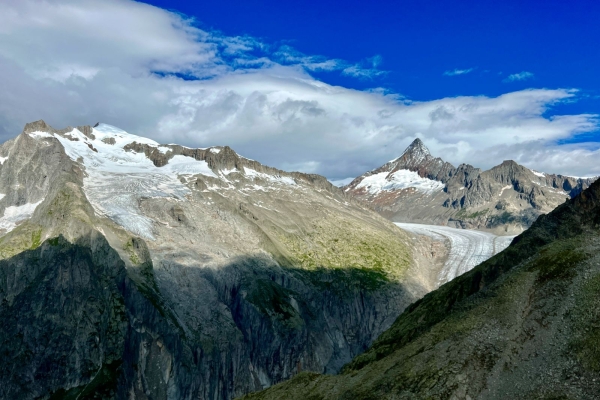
131 269
523 325
416 187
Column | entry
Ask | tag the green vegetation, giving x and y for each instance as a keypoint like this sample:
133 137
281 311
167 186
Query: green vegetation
36 239
359 249
24 237
586 317
558 260
133 256
504 218
464 214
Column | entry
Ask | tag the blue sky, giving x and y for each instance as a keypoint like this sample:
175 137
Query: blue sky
554 41
325 87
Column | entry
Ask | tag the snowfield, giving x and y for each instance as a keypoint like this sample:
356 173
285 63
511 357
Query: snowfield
468 248
117 179
401 179
15 214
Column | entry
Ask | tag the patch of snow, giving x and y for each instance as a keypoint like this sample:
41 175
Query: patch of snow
504 188
15 214
2 159
185 147
215 150
164 149
38 134
121 137
249 172
401 179
229 171
2 195
183 165
540 174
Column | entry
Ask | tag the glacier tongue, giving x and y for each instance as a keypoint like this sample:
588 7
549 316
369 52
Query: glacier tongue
468 248
116 179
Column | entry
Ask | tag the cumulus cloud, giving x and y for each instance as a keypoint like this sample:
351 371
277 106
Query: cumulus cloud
457 71
521 76
154 73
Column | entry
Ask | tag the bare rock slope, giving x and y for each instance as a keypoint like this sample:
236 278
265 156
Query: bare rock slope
416 187
130 269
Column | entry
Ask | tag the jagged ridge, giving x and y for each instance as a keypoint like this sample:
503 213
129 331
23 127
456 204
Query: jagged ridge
505 199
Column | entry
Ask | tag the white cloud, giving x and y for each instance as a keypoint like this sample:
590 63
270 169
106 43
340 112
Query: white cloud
122 62
521 76
342 182
456 72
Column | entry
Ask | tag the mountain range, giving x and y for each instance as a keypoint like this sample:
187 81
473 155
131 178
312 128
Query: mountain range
130 269
416 187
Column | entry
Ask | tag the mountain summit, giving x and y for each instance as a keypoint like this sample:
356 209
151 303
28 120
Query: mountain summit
415 153
416 187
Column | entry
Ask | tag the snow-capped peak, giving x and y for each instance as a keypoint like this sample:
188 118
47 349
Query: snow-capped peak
105 132
118 174
116 178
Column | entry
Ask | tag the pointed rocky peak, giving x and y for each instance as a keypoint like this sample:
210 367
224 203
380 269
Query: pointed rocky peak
416 153
37 126
417 147
417 158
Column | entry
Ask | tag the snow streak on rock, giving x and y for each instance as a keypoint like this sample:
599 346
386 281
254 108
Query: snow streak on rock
468 248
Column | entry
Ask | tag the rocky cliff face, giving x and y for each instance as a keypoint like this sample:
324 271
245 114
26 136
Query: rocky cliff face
522 325
416 187
130 269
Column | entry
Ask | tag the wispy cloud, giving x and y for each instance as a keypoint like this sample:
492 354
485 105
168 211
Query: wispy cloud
367 69
154 73
457 71
521 76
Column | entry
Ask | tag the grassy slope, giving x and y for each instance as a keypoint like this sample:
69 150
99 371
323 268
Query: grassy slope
524 324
